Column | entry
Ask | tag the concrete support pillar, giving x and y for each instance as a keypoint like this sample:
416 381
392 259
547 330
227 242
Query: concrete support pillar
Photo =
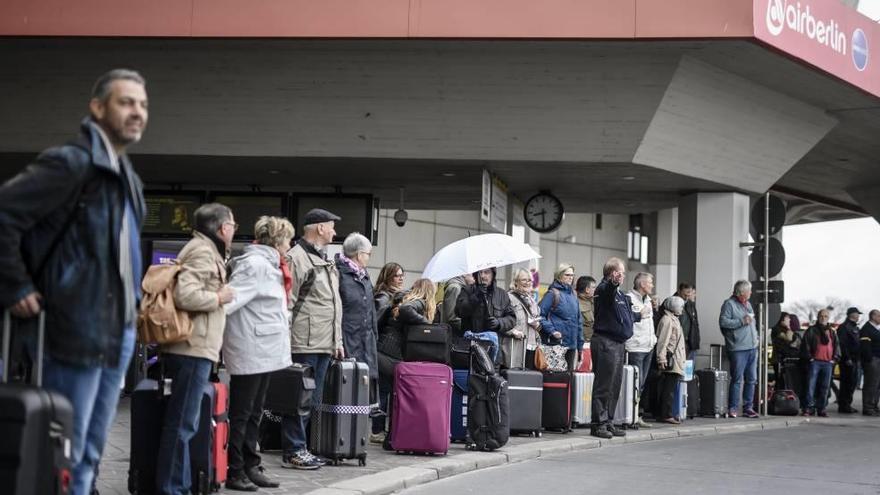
666 242
710 228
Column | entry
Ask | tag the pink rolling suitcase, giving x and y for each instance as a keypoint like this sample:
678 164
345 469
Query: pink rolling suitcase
422 401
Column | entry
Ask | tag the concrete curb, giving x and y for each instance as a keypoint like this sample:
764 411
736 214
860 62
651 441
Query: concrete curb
399 478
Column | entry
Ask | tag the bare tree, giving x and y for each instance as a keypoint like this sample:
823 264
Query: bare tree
807 309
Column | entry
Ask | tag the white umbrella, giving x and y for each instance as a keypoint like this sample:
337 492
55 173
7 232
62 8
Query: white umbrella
477 253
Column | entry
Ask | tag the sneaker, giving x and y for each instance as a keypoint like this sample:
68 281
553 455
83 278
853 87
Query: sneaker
601 432
672 421
732 413
642 424
750 413
847 410
377 437
258 476
241 484
822 414
807 412
320 460
300 460
617 431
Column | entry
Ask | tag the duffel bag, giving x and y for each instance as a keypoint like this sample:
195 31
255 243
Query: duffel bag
784 403
428 343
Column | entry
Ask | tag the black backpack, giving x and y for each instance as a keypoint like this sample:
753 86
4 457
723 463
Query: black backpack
488 424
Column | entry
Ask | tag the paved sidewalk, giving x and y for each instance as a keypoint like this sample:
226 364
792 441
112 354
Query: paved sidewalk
387 472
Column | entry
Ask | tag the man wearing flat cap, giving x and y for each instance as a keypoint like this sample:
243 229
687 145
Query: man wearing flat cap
848 337
316 324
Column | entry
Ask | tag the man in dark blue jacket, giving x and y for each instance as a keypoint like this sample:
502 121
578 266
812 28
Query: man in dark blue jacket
70 245
613 327
848 336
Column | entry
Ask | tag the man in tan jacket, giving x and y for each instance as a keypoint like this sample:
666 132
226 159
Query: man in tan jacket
202 291
316 324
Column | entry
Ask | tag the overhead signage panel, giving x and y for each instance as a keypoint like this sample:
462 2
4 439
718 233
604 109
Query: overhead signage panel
826 34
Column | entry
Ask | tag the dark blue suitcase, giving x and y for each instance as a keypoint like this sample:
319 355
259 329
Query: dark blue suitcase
458 416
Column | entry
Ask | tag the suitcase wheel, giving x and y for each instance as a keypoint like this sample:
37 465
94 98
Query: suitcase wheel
362 460
537 434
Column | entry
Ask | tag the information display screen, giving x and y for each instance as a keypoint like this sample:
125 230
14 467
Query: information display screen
247 209
170 214
162 252
356 212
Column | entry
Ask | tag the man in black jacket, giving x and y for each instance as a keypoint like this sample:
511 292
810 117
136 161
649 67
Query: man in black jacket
70 244
484 306
690 321
848 336
869 339
613 327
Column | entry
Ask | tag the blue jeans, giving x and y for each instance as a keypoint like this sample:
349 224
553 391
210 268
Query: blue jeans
743 367
642 361
293 428
819 382
94 394
188 378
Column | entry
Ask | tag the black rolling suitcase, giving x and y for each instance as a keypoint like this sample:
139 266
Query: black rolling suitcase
36 426
556 402
147 416
714 387
340 425
525 393
487 411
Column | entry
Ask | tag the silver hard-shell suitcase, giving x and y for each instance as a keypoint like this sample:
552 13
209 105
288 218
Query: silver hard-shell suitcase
582 398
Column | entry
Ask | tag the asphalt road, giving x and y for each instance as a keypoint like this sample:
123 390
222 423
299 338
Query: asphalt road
793 461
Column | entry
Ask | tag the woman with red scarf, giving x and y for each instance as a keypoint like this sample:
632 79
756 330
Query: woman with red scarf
256 343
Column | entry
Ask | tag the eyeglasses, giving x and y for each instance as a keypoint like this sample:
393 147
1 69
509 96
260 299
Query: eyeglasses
368 253
234 225
568 274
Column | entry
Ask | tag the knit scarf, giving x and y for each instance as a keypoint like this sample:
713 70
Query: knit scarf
361 272
285 274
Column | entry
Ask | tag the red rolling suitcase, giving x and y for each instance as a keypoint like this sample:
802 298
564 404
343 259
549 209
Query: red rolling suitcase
37 428
208 450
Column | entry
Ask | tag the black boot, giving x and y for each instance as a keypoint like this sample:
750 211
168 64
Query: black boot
259 478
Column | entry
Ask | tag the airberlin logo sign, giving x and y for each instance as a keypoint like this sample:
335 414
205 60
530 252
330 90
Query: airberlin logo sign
797 17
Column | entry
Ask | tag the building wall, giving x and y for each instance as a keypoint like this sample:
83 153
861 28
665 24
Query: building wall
427 231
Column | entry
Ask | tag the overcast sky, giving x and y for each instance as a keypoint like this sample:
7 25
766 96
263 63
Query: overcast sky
833 258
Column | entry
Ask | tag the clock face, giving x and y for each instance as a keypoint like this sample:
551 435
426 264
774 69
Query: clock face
543 212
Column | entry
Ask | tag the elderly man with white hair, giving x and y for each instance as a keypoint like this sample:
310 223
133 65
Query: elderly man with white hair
640 347
315 327
737 322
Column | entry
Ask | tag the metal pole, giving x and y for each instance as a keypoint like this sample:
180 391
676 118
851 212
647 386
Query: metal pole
765 330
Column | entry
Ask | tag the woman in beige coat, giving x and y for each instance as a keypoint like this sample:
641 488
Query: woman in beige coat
670 356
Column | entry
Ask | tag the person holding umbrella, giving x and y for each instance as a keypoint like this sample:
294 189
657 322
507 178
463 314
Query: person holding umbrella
483 306
563 322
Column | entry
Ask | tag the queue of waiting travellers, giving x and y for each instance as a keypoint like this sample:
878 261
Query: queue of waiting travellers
76 202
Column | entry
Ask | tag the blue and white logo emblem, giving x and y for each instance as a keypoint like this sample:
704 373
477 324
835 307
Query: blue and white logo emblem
860 49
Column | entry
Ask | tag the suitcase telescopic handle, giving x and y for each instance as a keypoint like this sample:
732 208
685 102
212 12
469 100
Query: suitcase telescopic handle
712 355
41 338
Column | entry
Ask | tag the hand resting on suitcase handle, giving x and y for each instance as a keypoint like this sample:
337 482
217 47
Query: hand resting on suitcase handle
28 306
